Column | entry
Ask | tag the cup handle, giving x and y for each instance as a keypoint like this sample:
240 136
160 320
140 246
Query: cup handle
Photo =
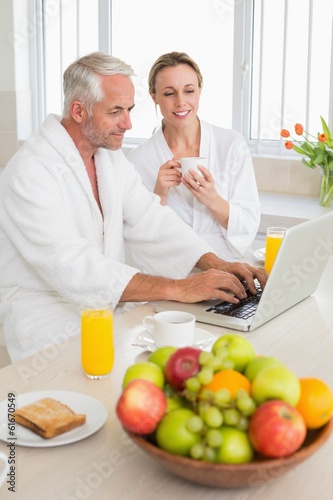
148 323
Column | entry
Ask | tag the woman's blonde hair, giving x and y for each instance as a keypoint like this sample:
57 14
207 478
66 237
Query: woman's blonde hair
171 59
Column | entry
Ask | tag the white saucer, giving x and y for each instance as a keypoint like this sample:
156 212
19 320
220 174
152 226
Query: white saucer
202 339
260 254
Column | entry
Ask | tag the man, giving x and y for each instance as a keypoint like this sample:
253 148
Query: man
69 200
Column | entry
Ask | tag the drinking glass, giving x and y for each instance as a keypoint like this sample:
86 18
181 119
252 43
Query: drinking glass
274 237
97 344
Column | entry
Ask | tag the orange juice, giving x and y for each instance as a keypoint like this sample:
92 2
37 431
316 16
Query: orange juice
273 242
97 347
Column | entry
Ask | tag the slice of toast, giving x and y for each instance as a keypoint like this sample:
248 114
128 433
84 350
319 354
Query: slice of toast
48 418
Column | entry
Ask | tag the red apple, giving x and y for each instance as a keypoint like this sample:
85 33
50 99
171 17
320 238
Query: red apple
141 406
276 429
181 365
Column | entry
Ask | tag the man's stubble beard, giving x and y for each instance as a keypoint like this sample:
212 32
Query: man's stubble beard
97 139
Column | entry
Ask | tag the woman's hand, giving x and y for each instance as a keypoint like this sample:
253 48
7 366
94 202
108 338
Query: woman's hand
168 175
202 186
203 189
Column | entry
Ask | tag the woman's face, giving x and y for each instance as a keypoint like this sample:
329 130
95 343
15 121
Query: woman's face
177 94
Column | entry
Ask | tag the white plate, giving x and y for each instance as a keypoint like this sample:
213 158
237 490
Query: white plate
260 254
202 339
95 412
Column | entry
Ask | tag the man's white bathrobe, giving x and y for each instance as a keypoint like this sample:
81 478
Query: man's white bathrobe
58 252
230 163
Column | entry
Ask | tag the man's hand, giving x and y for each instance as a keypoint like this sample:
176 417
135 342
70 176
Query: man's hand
213 283
244 272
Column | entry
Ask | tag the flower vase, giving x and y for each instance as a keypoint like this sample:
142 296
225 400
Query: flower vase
326 187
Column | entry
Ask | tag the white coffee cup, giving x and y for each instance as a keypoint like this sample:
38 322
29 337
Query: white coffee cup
171 328
193 162
4 467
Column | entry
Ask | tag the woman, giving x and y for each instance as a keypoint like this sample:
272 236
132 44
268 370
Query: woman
223 205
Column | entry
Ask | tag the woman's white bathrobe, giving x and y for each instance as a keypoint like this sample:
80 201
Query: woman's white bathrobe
58 253
230 163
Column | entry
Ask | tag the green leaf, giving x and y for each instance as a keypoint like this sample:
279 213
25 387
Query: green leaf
307 164
308 148
319 158
299 150
327 132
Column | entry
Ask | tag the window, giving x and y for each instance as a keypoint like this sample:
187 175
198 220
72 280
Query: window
291 77
61 27
261 60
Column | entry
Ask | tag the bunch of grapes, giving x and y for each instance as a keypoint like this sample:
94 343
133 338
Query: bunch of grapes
214 409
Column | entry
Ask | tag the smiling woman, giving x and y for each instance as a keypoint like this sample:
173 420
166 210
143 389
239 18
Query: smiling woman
220 201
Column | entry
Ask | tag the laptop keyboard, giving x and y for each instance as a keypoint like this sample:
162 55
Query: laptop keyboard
243 310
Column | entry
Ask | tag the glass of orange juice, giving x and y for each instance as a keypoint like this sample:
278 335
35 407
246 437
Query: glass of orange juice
97 345
274 237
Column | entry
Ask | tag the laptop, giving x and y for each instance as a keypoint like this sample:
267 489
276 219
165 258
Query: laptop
298 267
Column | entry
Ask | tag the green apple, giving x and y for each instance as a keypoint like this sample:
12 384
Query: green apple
236 447
172 434
161 355
276 382
257 364
240 350
145 370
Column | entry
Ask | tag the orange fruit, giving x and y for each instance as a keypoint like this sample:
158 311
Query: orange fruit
316 402
228 379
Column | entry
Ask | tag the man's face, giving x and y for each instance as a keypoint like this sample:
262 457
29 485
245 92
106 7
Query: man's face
110 117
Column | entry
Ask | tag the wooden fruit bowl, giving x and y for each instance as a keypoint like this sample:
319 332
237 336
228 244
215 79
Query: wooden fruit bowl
234 476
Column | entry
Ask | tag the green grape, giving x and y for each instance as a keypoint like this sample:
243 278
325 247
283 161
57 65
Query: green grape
213 417
213 438
206 395
243 423
205 356
209 455
197 451
222 397
228 364
242 393
190 396
192 384
246 405
205 376
195 424
231 416
215 363
202 407
222 352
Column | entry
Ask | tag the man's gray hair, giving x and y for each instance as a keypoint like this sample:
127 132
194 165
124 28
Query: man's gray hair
82 79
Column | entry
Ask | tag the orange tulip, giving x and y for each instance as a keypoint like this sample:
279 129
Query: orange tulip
299 129
288 145
322 137
285 133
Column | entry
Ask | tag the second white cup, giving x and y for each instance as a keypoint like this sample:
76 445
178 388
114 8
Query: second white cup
171 328
193 162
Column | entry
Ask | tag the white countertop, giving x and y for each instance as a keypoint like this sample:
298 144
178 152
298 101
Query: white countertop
278 209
